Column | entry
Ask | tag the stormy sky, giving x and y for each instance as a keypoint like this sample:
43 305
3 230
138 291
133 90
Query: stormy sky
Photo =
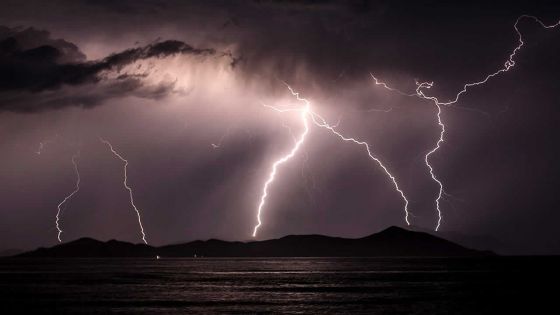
178 88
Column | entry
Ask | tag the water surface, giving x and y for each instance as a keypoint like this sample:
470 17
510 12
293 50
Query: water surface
494 285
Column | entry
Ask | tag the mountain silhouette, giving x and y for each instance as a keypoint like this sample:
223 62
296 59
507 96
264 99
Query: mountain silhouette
391 242
89 247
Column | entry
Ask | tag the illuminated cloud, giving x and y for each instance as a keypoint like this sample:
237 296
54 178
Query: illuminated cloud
34 66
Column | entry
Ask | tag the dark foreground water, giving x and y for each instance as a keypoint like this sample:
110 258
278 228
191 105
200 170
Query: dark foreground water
499 285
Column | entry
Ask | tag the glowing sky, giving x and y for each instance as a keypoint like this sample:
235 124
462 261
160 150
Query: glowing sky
178 88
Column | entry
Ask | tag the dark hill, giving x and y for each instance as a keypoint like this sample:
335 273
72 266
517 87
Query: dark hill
392 242
88 247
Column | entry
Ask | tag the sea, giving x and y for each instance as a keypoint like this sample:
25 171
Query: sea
485 285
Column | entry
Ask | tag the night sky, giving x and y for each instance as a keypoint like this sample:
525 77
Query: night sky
178 88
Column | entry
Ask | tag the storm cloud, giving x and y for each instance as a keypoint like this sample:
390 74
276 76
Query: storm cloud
31 62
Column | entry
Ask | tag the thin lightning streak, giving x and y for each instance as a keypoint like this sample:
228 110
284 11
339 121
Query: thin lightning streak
440 140
68 197
427 159
305 114
434 149
125 183
323 124
385 86
509 64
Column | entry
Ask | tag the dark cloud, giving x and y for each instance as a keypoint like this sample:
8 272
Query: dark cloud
32 62
335 40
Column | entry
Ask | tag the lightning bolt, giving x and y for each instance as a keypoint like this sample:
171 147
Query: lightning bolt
321 122
68 197
125 183
508 64
432 151
304 115
307 115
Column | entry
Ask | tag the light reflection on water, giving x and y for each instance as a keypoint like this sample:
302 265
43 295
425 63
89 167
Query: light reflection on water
279 285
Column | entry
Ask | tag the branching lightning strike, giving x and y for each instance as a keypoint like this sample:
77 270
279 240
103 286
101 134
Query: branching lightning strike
308 117
509 64
304 115
68 197
307 113
125 183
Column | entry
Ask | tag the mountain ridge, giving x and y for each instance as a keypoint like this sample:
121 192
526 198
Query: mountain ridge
391 242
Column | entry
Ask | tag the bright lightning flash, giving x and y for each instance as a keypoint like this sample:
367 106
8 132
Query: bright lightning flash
306 113
68 197
125 183
509 64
